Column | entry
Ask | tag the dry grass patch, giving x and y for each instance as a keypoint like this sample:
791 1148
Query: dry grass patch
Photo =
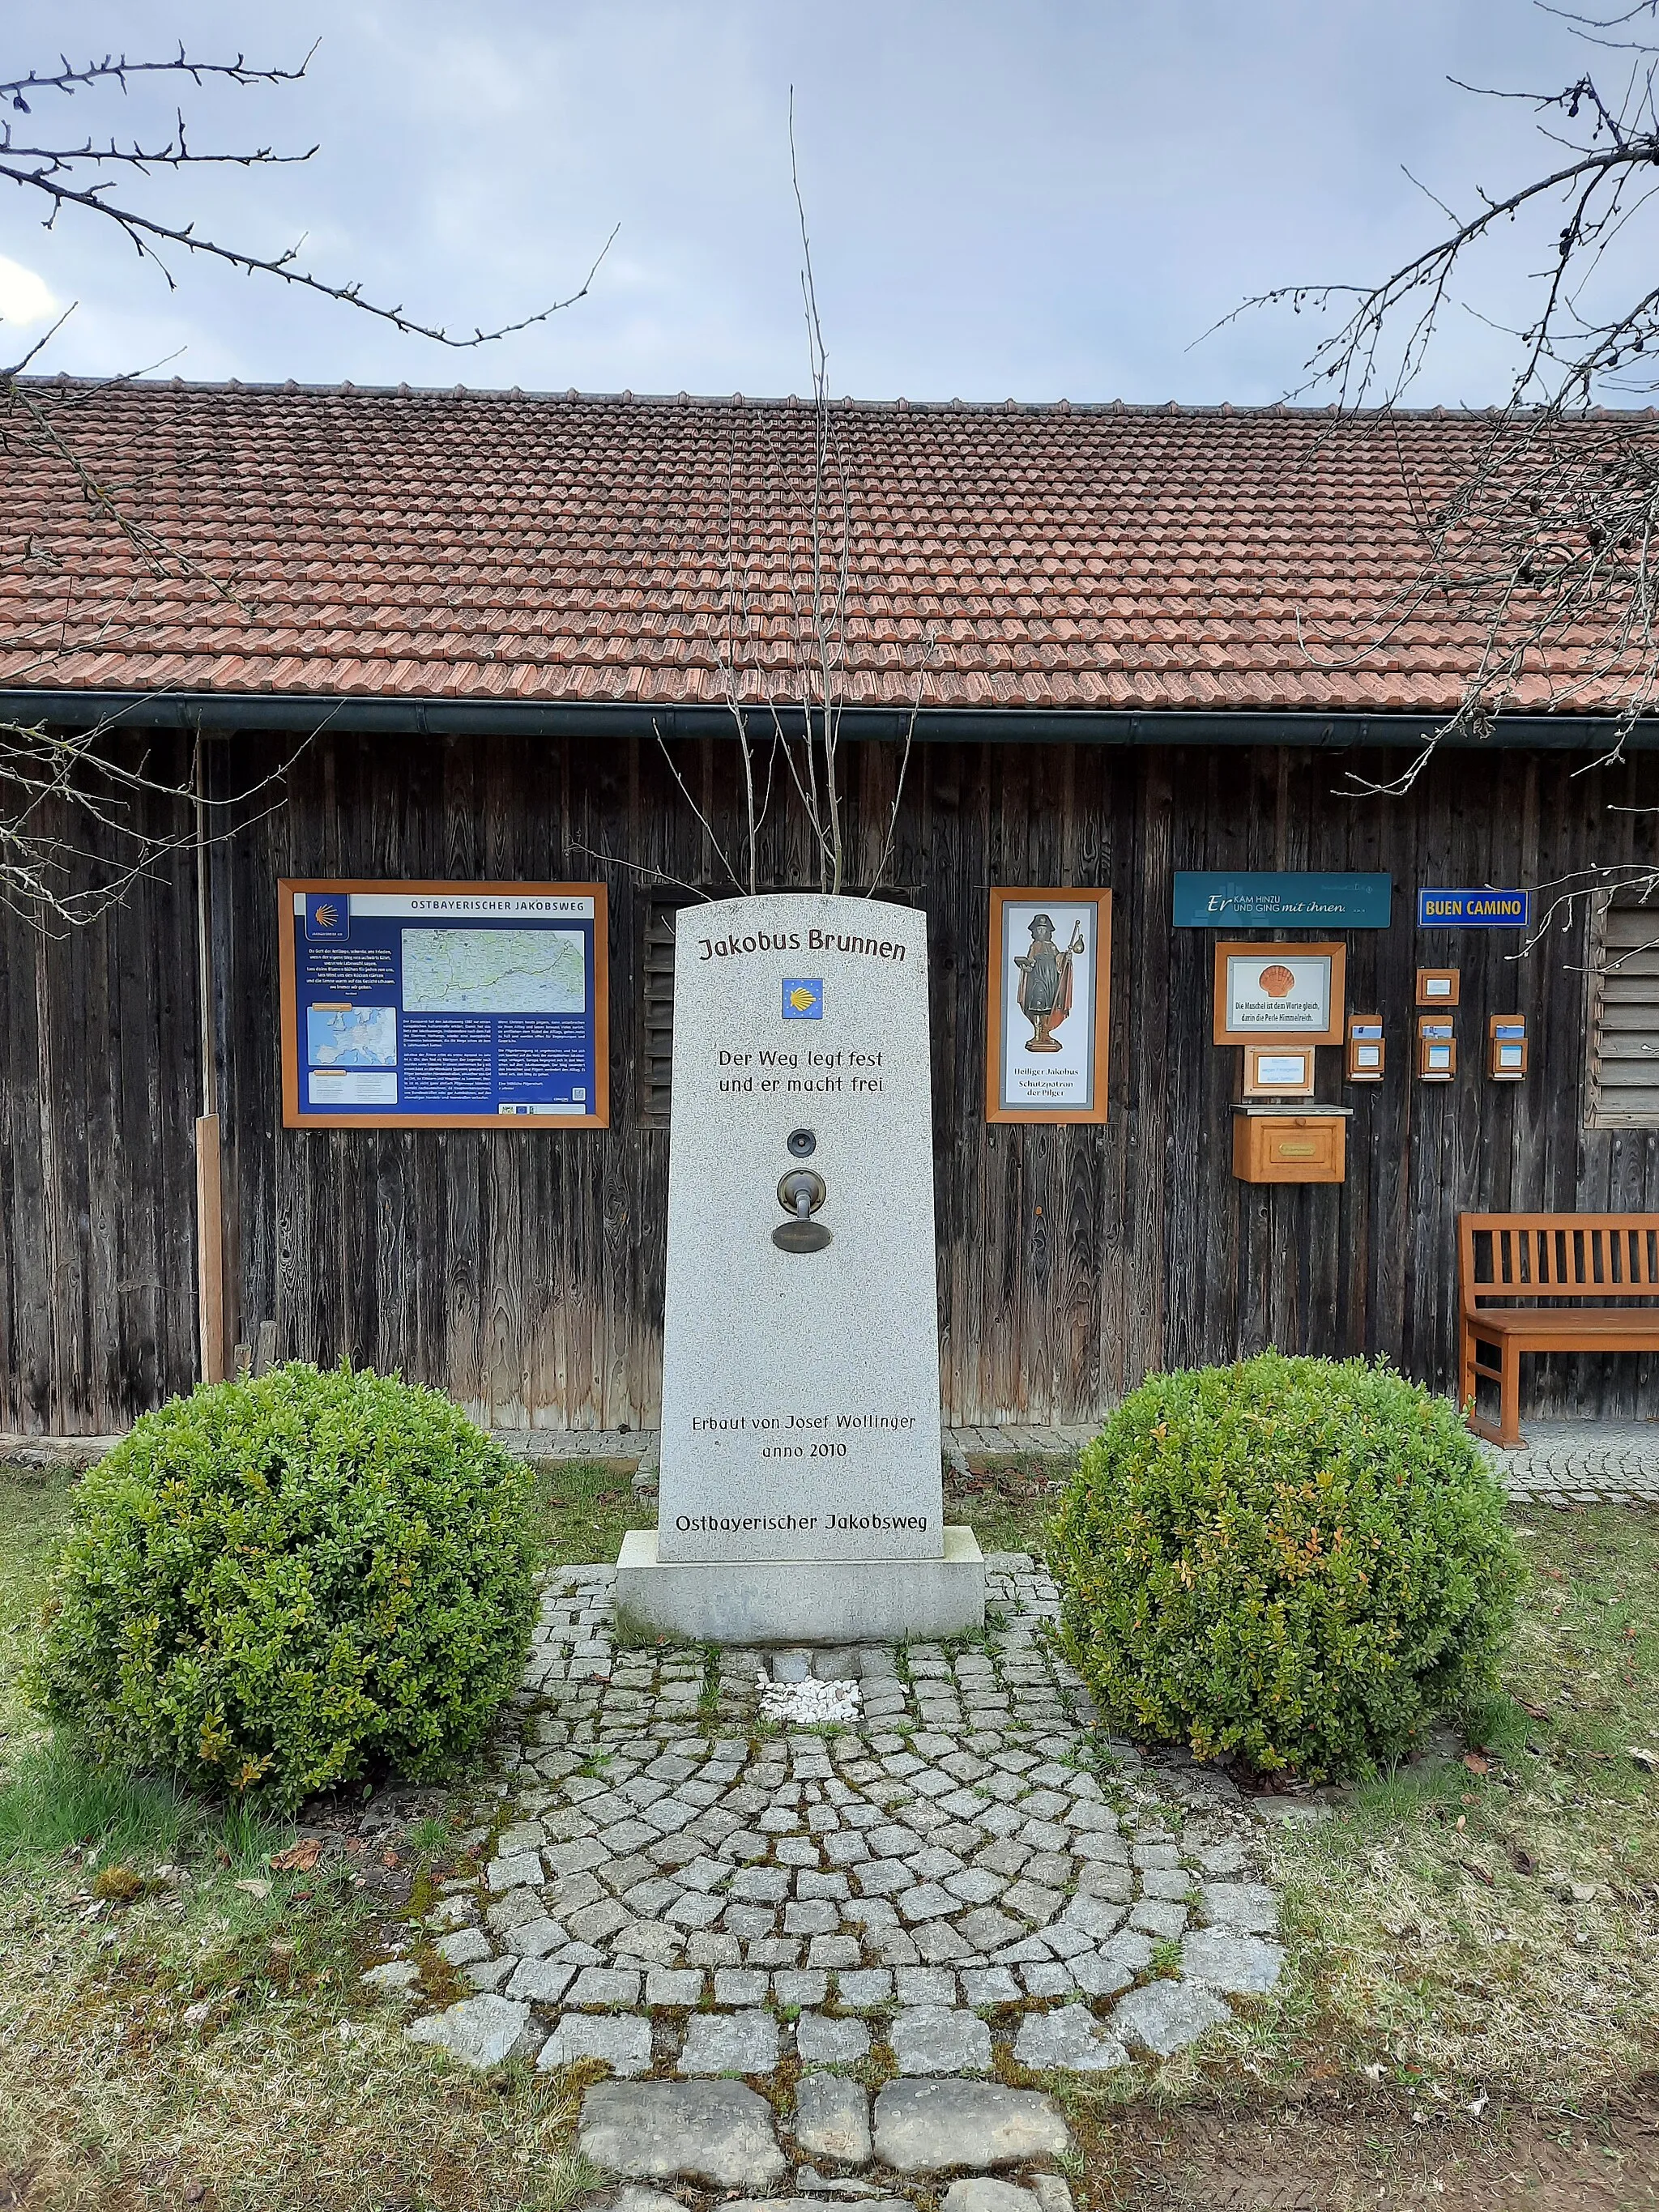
1496 1919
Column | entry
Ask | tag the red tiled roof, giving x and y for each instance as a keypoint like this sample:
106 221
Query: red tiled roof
497 545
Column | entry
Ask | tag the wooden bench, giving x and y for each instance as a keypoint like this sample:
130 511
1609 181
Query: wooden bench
1546 1282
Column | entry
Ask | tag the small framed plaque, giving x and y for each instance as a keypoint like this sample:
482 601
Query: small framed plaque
1279 1070
1285 992
1047 1006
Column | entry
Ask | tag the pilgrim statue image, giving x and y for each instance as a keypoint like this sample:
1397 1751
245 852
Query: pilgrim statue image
1045 982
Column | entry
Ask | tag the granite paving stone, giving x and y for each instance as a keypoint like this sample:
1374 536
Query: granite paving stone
1072 2038
832 2119
620 2041
597 1986
650 1857
1250 1907
461 1948
930 2127
1228 1959
821 2040
938 2039
982 2192
480 2032
673 1986
729 2043
1165 2016
719 2133
539 1981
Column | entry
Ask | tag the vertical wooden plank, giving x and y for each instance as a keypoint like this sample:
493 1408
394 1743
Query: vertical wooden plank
209 1249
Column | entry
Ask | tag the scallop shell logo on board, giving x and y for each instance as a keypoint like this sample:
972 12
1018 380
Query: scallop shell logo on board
1277 982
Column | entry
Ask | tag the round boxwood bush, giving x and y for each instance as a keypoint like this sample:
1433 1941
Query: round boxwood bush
279 1585
1300 1561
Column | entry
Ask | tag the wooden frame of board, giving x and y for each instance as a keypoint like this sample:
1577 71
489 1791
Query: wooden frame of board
1232 948
505 1123
1024 895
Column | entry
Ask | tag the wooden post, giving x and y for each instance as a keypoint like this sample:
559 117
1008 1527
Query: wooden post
209 1179
209 1249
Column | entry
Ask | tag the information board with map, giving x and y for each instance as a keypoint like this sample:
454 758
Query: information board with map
443 1006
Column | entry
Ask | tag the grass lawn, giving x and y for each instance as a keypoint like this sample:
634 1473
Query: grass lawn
1459 1940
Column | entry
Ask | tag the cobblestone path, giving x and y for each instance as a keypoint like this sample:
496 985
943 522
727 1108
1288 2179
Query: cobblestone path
683 1889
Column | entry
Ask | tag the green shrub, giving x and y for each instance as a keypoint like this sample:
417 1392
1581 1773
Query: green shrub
1296 1560
281 1585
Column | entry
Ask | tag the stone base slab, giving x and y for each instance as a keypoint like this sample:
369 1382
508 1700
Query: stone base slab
796 1601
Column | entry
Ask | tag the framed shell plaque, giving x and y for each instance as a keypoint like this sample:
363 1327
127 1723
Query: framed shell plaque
1292 992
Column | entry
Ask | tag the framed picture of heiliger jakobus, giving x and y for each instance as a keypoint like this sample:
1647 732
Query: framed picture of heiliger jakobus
1049 999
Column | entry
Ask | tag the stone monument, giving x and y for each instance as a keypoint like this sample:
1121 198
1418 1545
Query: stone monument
799 1498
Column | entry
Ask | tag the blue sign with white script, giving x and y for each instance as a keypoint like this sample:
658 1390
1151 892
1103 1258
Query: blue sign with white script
1260 901
1484 908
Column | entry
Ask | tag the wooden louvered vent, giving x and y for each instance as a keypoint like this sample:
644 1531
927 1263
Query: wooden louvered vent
1623 1090
656 1007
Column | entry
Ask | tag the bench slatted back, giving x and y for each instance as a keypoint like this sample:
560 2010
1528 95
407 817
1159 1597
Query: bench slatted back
1536 1259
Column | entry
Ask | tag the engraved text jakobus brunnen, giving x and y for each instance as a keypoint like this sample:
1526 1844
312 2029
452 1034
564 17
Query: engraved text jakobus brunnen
794 940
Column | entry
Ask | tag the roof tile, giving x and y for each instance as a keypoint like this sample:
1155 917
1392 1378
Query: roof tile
544 547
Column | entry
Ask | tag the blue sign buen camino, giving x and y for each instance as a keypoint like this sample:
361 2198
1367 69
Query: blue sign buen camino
1255 900
1482 907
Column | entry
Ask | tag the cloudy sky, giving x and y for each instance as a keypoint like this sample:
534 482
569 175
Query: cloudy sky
1041 199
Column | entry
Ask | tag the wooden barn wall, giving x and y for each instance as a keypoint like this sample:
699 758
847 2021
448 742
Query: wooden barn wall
523 1270
99 1077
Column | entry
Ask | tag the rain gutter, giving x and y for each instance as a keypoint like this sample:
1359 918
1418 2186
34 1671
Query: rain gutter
226 713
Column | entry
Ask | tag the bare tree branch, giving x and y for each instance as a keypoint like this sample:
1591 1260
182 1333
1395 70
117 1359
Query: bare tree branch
65 176
1543 548
81 820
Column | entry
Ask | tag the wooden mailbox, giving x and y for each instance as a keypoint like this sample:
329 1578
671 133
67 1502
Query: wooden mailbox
1367 1051
1279 1144
1506 1047
1437 1049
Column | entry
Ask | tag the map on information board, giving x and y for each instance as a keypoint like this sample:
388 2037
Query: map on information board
443 1004
495 971
352 1036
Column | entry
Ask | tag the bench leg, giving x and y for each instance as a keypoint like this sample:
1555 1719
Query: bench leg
1497 1362
1510 1434
1465 1368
